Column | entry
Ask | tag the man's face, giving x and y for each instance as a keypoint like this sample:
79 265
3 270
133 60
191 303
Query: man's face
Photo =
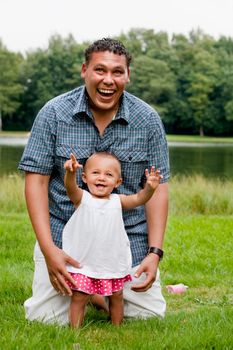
105 76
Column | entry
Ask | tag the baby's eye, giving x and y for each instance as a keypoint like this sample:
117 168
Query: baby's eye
109 174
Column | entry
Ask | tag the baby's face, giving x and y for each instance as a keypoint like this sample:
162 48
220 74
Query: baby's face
102 174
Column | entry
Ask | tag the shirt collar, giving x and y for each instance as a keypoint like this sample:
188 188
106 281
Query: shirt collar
123 111
82 107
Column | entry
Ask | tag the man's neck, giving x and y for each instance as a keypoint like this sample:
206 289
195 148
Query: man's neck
103 119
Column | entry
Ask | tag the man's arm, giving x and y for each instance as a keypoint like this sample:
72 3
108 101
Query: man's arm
156 214
36 193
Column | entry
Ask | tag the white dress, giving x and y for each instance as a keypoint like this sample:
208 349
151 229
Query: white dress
95 236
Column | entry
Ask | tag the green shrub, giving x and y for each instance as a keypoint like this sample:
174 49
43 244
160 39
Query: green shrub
199 195
12 194
188 195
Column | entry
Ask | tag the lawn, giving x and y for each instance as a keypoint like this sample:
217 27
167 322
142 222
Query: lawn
199 139
172 138
198 253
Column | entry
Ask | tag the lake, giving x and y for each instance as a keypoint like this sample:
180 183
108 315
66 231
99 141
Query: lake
210 160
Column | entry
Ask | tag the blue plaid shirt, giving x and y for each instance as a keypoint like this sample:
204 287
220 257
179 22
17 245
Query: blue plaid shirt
65 125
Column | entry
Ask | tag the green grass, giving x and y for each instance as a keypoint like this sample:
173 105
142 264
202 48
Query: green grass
198 253
198 139
12 193
188 195
173 138
198 195
14 133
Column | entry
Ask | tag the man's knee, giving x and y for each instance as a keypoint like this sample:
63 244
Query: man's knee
145 304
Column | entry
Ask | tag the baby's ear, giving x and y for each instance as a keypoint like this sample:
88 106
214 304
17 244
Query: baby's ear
119 182
84 177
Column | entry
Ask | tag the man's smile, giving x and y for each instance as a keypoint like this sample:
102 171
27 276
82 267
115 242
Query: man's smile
105 92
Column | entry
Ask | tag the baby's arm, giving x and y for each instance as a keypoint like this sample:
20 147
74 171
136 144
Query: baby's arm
74 192
152 182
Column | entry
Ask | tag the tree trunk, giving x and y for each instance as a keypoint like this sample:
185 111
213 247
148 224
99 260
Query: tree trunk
201 131
0 120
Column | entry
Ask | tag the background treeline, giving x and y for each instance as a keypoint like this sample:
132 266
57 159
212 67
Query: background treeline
188 79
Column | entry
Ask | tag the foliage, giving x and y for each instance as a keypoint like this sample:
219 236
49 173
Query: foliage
188 79
48 73
12 193
155 81
10 88
202 196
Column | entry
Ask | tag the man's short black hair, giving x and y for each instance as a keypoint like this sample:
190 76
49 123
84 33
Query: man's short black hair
107 44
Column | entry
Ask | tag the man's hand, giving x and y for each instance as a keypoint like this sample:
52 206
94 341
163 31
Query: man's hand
56 263
149 266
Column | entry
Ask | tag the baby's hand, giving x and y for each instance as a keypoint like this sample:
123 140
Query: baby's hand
72 164
153 177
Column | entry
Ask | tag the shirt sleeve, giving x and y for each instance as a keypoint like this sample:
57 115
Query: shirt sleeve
158 149
39 153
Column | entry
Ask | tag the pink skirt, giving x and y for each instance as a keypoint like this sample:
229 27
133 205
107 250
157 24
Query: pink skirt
99 286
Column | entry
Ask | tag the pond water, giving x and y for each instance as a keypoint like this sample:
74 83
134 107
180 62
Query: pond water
212 160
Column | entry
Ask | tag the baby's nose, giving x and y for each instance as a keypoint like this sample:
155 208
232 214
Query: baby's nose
101 177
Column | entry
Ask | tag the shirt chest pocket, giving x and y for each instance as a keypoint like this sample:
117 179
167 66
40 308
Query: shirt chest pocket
133 165
63 153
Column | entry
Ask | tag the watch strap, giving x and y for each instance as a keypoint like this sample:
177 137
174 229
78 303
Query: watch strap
156 251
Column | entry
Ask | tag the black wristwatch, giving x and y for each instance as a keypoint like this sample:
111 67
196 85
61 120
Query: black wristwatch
156 251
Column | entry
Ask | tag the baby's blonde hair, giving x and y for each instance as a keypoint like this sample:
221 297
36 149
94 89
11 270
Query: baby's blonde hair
104 154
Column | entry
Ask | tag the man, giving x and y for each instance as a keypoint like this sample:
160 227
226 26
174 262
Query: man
100 116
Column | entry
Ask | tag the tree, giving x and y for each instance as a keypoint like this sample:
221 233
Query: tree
229 110
48 73
188 79
10 88
222 95
196 71
153 81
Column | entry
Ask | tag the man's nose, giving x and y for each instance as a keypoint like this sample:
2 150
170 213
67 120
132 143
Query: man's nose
108 79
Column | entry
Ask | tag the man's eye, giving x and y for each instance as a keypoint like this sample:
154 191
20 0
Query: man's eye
99 70
118 72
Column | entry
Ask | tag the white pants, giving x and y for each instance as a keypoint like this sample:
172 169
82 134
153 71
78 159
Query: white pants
48 306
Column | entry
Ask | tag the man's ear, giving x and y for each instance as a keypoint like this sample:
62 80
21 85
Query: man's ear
128 75
119 182
84 177
83 70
